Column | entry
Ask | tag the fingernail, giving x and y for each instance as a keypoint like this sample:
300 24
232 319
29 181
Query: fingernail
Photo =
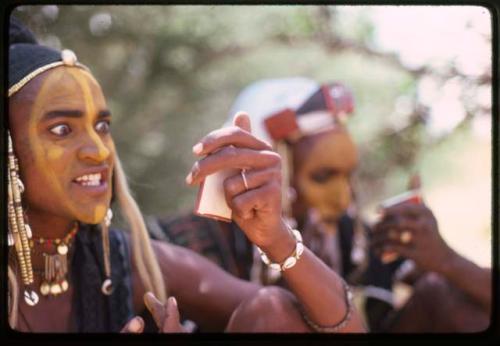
135 325
194 171
148 300
173 301
198 148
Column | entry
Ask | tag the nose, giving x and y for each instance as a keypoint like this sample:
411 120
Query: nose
339 193
94 150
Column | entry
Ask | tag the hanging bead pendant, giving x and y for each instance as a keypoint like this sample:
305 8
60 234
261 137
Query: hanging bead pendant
55 289
107 287
45 288
64 285
62 249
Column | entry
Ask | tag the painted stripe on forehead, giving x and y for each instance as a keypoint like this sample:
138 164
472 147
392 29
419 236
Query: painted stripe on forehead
82 78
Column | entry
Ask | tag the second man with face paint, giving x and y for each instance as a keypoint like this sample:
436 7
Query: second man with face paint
305 123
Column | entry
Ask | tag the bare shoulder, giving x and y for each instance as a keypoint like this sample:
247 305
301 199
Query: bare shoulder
173 258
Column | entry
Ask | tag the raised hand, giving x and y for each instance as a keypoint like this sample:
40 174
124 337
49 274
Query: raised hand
411 230
255 195
166 316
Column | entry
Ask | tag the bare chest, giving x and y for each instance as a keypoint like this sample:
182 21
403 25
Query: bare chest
51 314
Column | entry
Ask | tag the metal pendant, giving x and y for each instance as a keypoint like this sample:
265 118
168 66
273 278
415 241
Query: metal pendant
64 285
62 249
45 288
31 298
107 287
55 289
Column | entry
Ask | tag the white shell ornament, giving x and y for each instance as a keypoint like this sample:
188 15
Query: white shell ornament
300 249
275 266
297 235
289 263
107 287
31 298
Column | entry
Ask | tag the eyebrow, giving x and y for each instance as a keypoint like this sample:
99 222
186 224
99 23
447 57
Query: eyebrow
73 113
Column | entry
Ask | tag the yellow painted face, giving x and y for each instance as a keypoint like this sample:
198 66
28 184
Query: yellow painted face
60 128
323 164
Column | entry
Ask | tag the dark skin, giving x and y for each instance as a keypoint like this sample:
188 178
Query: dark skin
79 143
323 164
429 251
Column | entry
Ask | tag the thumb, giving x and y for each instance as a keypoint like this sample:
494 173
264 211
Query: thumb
135 325
172 321
242 120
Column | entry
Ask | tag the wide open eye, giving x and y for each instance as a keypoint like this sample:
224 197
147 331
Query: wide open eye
102 126
60 130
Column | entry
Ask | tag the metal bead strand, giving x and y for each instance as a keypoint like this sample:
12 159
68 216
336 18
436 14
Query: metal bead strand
20 217
18 227
13 225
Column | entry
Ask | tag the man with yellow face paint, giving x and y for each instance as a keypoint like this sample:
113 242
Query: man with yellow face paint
69 271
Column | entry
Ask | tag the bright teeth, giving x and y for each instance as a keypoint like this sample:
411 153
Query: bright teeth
89 180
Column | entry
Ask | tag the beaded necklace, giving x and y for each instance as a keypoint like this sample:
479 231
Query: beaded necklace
55 253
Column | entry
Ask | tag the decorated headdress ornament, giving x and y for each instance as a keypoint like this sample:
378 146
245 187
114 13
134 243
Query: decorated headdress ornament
28 59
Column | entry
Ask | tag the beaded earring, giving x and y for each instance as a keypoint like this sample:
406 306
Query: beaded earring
107 285
19 232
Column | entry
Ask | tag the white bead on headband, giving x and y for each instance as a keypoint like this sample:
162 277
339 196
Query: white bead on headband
68 57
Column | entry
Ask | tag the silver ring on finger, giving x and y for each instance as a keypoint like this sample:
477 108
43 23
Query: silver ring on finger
405 237
243 176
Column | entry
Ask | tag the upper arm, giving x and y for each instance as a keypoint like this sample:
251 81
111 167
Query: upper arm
205 293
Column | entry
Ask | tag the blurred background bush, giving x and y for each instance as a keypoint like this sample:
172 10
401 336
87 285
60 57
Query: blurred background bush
421 77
